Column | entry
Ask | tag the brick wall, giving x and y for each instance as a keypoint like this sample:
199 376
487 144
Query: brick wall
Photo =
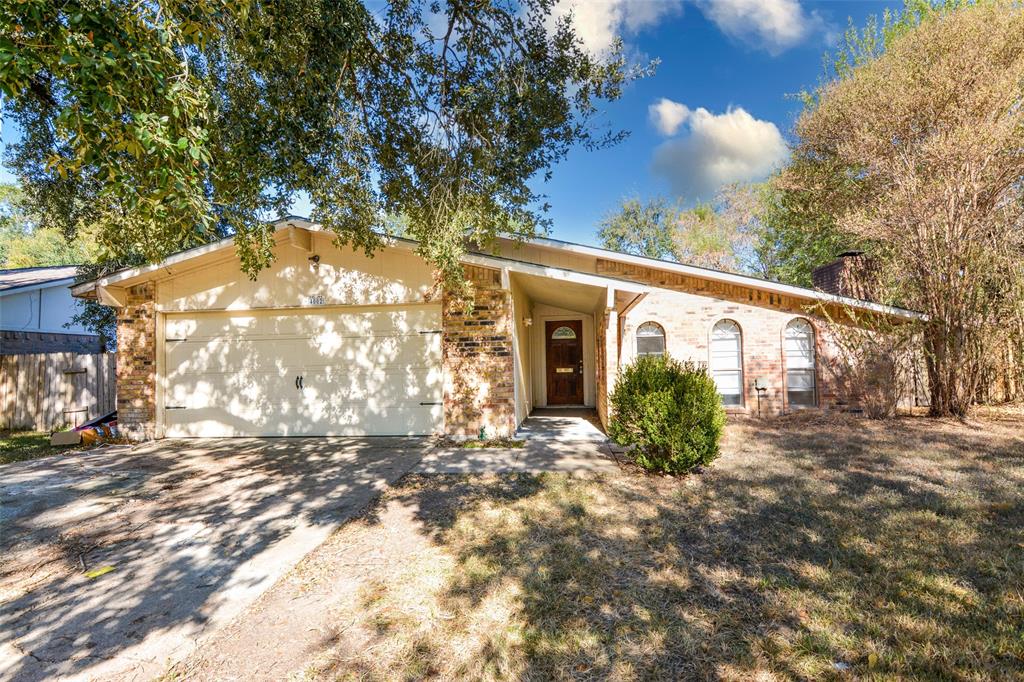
477 356
724 291
688 319
852 274
136 365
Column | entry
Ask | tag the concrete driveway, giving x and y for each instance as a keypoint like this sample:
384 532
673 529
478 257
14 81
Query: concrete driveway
115 563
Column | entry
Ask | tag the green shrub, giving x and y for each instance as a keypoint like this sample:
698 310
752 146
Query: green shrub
670 411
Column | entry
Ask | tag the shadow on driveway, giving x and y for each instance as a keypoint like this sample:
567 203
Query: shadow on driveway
183 533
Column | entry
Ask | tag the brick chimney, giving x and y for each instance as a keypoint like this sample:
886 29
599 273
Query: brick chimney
848 275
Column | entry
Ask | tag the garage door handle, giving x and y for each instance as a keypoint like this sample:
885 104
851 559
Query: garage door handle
296 383
300 382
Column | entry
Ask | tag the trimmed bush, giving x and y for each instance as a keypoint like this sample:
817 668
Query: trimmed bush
670 411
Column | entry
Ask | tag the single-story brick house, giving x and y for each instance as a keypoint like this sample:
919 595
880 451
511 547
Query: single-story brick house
327 341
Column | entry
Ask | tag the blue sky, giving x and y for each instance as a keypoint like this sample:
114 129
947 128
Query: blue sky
722 97
722 56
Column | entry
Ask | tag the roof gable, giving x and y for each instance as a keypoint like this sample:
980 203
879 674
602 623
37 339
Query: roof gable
568 260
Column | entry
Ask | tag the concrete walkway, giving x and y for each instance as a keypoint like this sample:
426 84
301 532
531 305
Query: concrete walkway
566 440
562 425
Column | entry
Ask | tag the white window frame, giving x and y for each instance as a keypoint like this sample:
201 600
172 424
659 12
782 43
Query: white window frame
664 339
733 369
796 363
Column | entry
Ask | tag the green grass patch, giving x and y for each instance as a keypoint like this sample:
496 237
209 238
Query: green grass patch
19 446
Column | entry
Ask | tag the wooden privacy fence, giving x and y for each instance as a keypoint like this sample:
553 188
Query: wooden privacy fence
47 391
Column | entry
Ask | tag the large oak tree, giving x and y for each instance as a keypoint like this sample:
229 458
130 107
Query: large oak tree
169 123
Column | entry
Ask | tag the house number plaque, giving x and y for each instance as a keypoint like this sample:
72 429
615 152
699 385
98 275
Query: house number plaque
316 300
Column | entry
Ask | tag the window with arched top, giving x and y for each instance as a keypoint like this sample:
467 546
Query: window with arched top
650 339
727 361
799 352
563 333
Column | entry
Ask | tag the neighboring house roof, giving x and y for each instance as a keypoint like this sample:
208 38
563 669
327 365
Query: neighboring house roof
27 277
538 268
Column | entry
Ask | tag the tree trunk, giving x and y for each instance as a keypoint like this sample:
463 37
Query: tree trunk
951 374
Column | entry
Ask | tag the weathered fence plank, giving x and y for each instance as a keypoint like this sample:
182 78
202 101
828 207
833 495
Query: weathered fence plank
48 391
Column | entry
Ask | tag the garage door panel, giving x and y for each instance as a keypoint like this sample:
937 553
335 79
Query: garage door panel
270 418
360 419
212 326
387 387
289 419
364 372
225 389
223 355
372 352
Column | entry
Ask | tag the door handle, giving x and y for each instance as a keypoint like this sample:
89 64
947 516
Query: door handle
300 382
296 383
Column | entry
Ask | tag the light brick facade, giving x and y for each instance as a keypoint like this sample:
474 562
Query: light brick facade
688 320
136 365
852 274
488 347
477 356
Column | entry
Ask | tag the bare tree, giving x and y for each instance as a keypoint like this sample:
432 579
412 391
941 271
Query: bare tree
930 139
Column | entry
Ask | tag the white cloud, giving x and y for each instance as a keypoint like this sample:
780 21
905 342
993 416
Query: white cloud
719 149
667 115
775 25
599 22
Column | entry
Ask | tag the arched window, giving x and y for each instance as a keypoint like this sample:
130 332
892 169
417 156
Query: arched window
563 333
727 361
650 339
800 363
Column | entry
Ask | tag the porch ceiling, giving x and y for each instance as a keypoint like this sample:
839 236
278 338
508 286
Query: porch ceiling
560 293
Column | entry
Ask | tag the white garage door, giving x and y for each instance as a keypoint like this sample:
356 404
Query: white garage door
295 373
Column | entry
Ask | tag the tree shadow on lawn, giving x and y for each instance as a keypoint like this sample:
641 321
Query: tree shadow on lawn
176 521
892 548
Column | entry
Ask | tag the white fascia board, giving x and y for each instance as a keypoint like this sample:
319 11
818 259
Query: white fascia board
131 273
554 273
726 277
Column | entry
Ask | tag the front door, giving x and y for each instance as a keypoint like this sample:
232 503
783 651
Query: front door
564 362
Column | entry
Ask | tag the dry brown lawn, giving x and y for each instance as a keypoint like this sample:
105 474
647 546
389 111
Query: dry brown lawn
814 548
